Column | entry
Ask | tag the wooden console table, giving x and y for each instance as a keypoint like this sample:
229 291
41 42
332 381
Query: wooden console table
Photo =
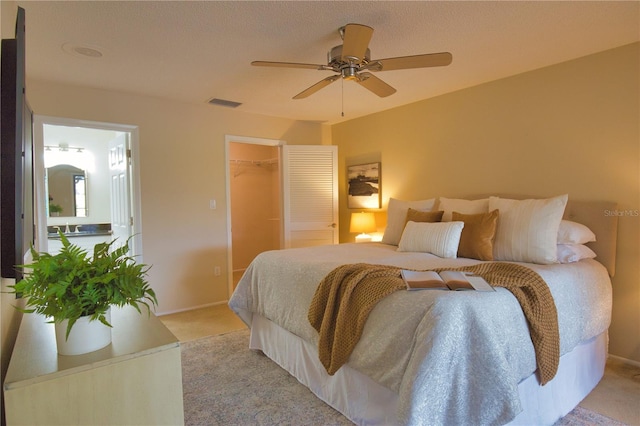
136 380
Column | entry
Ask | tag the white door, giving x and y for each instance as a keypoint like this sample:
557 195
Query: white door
310 195
119 161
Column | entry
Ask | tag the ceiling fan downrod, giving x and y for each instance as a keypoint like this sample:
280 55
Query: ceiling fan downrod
349 72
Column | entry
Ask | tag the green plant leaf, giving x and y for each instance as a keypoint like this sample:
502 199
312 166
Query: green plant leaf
72 284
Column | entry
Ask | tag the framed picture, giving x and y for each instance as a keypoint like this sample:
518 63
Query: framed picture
363 186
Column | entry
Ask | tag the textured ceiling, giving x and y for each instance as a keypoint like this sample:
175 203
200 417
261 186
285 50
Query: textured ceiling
193 51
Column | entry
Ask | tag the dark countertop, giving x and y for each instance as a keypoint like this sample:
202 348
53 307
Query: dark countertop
86 230
56 236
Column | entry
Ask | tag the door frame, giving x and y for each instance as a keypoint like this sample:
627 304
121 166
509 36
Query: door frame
249 140
135 200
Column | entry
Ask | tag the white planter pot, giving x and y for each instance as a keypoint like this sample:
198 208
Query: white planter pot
85 336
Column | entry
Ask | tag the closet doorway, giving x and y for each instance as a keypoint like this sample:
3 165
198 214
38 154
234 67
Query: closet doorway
254 199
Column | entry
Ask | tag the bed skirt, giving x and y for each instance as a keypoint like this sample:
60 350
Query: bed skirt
366 402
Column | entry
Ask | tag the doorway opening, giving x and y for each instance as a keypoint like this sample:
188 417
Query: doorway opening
254 201
87 183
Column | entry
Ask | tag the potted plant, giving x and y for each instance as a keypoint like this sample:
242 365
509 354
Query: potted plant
75 289
55 209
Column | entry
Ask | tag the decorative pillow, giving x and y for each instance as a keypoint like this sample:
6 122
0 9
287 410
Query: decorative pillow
397 215
568 253
439 238
528 229
449 205
418 216
476 240
574 233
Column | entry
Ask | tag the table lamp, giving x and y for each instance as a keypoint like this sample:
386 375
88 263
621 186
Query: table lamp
363 223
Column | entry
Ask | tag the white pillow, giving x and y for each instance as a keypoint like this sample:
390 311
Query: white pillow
528 229
397 216
568 253
439 238
574 233
450 205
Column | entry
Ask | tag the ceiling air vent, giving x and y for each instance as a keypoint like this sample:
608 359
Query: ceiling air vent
224 103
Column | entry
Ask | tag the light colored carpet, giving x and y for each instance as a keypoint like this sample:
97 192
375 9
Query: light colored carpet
226 383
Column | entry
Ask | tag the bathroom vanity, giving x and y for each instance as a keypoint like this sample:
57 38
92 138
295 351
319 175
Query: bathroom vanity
85 236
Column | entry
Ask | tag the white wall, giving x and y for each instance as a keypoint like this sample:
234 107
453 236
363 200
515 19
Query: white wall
182 167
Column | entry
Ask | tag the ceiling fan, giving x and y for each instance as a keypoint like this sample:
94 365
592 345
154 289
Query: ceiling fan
352 61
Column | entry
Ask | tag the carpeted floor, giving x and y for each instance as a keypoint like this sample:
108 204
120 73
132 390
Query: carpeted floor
225 383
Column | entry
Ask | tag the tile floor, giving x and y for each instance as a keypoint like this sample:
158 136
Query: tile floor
197 323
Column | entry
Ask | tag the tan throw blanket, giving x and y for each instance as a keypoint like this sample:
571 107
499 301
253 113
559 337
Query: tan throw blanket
345 297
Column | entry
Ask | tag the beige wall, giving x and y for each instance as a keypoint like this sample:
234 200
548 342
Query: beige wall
569 128
182 167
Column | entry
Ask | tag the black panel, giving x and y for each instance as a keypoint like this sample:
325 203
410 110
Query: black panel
16 152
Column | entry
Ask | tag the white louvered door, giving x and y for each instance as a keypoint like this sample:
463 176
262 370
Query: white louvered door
310 195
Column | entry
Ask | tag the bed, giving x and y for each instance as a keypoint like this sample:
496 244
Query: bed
444 357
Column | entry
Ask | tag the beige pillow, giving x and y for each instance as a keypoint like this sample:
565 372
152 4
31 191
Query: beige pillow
439 238
449 205
476 241
528 229
397 215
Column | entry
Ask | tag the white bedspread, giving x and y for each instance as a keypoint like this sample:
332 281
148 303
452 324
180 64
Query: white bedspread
452 357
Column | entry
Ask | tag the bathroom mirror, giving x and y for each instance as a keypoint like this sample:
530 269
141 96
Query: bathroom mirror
67 191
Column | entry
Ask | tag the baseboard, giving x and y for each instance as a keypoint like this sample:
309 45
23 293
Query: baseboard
191 308
624 360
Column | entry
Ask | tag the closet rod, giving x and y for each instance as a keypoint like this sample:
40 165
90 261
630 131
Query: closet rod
255 162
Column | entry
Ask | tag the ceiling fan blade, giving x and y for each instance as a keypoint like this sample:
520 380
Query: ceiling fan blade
356 42
288 65
319 85
415 61
374 84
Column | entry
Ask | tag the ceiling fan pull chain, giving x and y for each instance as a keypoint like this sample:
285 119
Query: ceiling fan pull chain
342 87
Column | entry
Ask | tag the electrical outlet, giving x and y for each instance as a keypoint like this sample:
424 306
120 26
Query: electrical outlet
212 204
216 271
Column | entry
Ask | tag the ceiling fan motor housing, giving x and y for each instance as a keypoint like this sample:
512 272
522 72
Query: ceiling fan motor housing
334 58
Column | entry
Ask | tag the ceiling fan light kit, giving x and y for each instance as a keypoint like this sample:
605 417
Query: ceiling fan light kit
352 61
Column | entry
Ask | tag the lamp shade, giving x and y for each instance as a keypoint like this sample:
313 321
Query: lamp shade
362 223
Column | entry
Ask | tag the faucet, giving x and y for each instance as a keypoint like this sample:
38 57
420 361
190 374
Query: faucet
66 230
78 228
